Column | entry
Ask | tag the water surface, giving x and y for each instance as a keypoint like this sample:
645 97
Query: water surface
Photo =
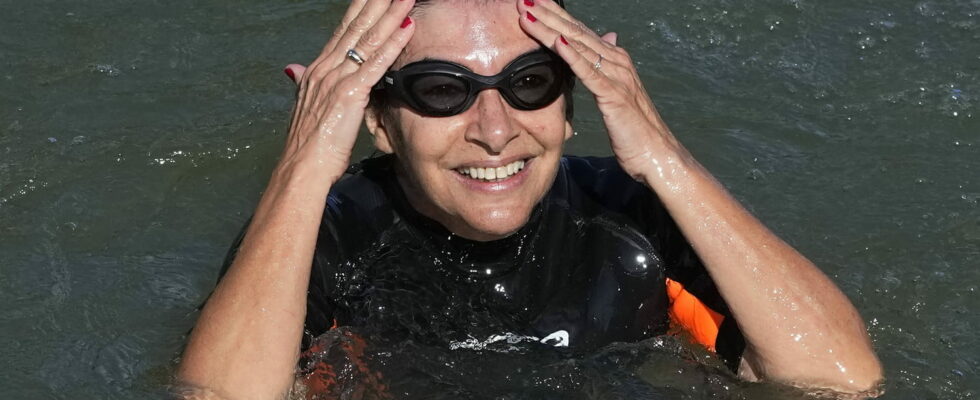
136 137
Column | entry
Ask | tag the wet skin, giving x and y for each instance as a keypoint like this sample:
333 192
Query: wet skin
246 340
490 133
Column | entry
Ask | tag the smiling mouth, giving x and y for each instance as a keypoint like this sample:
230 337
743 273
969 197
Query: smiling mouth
492 174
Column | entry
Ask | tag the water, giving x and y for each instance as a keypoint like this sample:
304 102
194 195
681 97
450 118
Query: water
135 138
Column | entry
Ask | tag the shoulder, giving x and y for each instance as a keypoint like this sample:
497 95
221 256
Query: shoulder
602 180
589 169
362 186
359 207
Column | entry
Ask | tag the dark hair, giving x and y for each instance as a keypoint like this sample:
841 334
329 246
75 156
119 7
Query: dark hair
379 102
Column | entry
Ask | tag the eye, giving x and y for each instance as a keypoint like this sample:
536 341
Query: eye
535 84
439 91
531 82
442 90
534 79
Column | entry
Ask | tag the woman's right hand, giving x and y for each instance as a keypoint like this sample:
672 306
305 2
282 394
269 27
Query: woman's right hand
334 90
245 342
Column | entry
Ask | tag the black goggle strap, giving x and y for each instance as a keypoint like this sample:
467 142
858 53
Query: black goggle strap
394 78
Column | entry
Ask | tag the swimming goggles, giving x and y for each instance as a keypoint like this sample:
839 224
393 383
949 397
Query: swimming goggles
442 88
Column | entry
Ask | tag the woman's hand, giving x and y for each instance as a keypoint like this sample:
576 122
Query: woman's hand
807 335
636 132
245 343
334 90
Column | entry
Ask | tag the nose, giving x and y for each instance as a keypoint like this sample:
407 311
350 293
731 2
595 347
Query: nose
494 126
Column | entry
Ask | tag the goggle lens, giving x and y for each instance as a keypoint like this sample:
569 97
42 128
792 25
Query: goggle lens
536 85
440 93
441 89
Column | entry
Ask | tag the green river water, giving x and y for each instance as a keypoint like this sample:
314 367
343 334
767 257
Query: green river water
136 137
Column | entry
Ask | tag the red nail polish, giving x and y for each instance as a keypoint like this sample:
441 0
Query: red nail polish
530 17
406 22
529 3
289 73
562 38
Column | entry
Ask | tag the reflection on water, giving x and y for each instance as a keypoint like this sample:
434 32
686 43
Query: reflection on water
135 138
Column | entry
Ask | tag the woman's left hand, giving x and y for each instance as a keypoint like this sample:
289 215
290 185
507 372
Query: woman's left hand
637 134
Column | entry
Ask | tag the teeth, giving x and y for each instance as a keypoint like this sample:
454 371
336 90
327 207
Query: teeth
491 174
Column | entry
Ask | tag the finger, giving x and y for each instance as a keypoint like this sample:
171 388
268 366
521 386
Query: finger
582 60
364 21
357 86
326 63
295 72
395 17
546 34
372 70
352 12
540 14
610 37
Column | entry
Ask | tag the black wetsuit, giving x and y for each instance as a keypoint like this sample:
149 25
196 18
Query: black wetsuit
587 269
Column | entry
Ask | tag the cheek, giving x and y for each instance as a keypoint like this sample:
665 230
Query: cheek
427 142
548 125
419 139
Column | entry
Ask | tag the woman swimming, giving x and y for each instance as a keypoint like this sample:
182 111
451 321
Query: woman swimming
474 204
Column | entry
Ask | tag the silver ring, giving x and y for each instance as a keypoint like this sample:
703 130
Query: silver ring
353 56
598 63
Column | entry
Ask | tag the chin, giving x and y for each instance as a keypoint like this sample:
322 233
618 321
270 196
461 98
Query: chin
492 224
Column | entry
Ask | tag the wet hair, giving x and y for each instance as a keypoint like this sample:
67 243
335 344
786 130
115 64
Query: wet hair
379 103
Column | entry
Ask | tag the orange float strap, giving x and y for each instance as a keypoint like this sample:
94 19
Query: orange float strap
688 313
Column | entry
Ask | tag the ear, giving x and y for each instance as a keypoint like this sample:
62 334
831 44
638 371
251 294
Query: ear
569 110
375 122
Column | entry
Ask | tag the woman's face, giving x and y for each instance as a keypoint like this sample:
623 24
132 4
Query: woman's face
438 155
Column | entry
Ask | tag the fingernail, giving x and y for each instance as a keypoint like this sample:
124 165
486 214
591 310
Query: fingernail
289 73
562 38
406 22
530 17
529 3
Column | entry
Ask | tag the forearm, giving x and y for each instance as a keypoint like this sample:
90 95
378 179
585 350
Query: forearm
246 341
799 327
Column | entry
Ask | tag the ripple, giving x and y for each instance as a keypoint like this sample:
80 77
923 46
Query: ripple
19 190
197 158
106 69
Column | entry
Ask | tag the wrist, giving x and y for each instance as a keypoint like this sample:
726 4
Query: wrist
664 171
661 160
302 175
316 165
